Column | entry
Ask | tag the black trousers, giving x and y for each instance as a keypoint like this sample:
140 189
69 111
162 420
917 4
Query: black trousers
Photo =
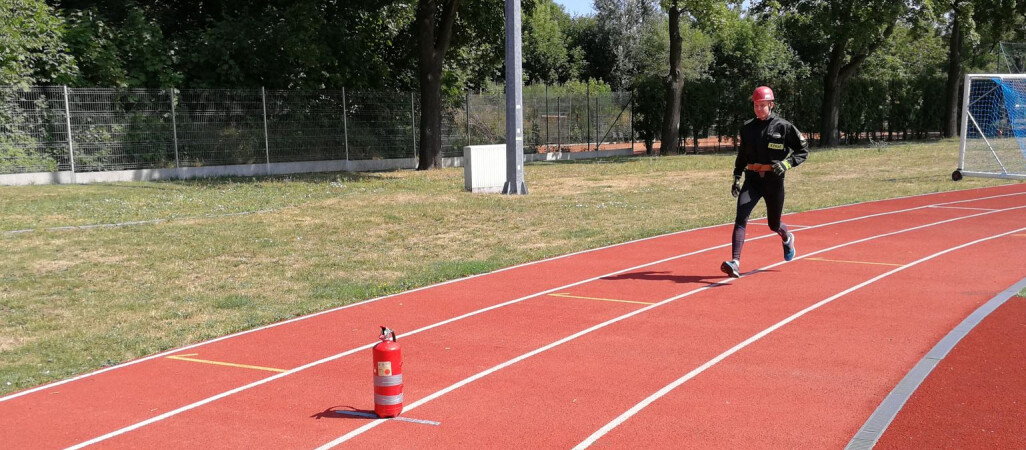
767 186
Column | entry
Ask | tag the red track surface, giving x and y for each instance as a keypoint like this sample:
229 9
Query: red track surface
795 355
975 397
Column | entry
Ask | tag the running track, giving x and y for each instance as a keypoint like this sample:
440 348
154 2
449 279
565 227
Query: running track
643 344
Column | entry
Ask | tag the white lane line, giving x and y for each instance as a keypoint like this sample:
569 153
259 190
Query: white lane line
565 295
333 310
854 262
370 415
510 362
670 387
964 207
367 346
207 400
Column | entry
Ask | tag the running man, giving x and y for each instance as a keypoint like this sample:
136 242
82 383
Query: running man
770 146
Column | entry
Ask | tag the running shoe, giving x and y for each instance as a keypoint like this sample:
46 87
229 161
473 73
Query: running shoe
732 268
789 247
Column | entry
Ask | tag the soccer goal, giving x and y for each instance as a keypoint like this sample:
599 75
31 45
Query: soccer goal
993 141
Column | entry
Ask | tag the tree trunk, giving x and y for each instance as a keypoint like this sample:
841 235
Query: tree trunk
950 126
433 42
430 152
837 75
832 88
674 85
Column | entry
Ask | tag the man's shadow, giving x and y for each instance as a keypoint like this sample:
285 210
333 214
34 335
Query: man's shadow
648 275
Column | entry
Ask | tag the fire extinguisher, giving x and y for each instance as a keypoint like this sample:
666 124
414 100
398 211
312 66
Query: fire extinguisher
388 375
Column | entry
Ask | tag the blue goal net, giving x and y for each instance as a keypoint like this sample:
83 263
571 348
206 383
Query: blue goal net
993 142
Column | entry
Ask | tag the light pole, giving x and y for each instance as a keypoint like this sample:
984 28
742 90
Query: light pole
514 104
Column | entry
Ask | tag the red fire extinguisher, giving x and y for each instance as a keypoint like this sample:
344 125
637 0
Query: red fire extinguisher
388 375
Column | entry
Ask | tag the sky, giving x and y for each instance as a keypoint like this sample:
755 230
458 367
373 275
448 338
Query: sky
578 7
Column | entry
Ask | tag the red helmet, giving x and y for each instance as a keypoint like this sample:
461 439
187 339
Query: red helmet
762 93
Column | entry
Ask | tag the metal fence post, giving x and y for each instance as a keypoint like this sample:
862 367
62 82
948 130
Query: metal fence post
413 122
267 146
468 117
174 128
587 118
345 123
632 121
569 118
597 137
546 115
559 128
71 147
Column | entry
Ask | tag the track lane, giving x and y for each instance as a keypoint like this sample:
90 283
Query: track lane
144 384
814 382
974 397
543 396
153 386
200 419
505 427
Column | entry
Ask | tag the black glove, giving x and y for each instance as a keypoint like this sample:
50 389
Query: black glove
735 189
780 167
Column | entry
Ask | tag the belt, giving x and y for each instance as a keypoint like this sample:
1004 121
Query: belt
761 168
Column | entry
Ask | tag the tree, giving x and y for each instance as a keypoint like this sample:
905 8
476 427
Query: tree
749 53
33 50
589 48
436 22
621 24
975 27
434 32
546 56
843 34
702 12
119 47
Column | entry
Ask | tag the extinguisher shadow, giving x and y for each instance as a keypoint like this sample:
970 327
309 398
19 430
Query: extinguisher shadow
345 412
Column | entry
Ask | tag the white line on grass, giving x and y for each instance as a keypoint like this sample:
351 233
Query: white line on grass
550 346
665 390
137 222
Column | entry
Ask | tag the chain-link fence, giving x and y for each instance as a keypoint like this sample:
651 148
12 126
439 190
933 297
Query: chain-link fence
34 130
49 129
575 122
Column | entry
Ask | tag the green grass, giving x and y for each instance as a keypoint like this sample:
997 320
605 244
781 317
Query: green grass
225 255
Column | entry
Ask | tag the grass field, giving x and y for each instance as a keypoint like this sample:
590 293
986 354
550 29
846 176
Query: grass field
216 256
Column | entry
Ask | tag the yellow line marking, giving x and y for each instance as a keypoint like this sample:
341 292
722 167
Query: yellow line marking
854 262
219 363
601 299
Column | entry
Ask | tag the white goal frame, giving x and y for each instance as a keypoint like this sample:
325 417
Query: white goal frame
997 167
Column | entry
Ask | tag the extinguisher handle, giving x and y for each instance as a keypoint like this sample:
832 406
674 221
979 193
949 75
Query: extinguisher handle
386 332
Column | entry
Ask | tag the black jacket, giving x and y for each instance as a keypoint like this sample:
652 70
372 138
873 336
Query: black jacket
768 141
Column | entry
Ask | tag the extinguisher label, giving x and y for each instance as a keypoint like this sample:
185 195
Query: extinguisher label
384 368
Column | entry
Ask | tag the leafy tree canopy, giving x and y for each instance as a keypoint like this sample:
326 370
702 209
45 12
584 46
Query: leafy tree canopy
32 50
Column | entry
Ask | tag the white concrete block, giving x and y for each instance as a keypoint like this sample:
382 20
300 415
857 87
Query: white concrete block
484 168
